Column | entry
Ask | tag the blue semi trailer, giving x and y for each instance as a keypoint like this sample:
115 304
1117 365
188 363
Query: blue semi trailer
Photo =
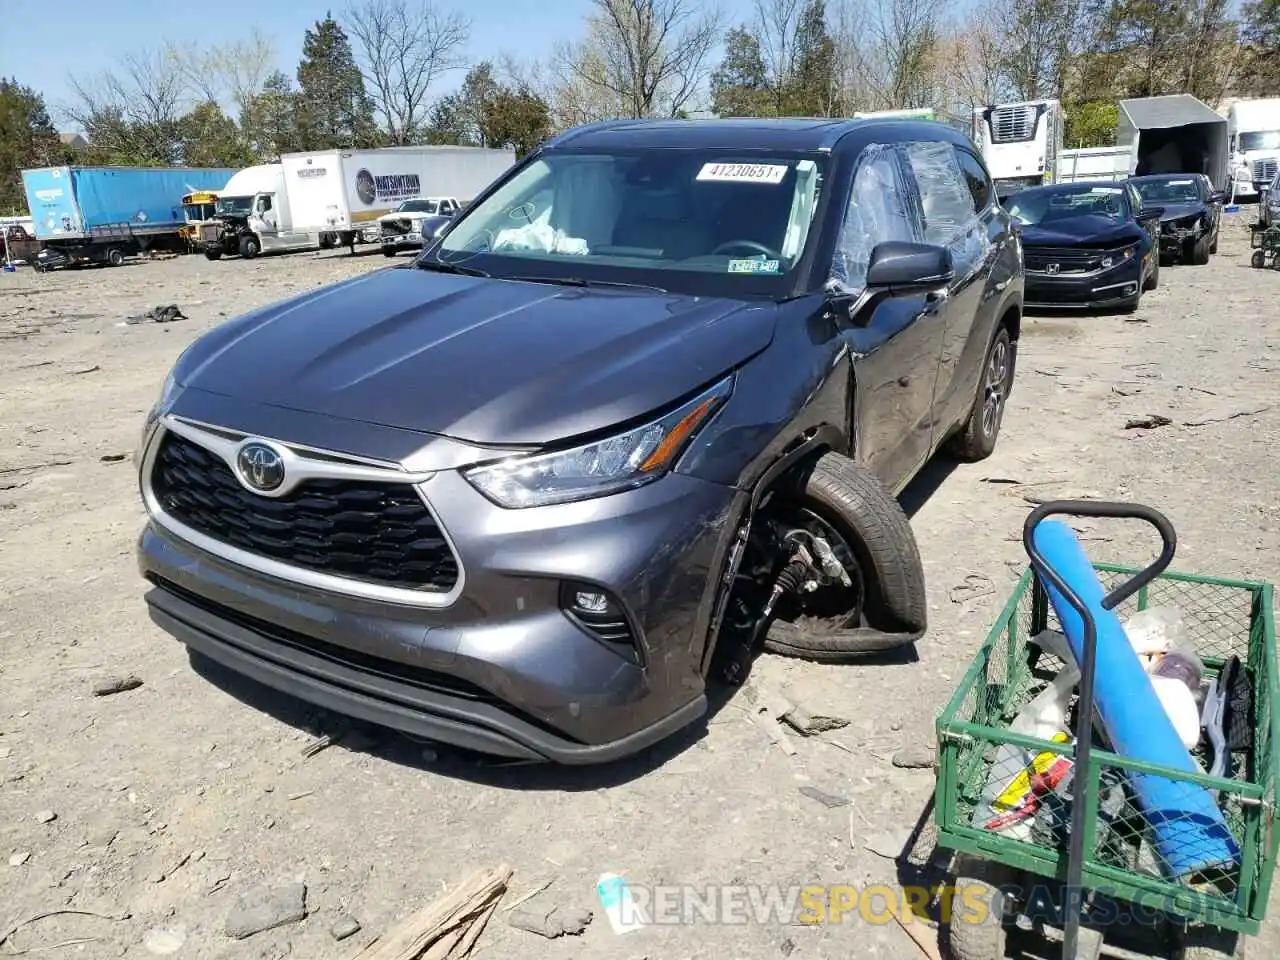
103 214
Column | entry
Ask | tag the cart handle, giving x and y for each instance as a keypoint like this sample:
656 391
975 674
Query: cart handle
1074 904
1101 508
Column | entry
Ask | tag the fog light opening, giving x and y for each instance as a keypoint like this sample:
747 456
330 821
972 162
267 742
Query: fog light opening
600 614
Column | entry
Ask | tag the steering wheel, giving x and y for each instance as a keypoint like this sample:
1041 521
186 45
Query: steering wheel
746 245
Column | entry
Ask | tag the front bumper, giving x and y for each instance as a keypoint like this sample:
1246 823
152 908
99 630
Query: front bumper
402 241
1175 238
501 669
1107 289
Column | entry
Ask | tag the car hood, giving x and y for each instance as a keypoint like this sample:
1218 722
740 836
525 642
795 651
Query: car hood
491 362
406 215
1084 231
1177 211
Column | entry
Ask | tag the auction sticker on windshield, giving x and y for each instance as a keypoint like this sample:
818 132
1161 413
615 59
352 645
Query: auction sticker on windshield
749 172
753 266
1106 190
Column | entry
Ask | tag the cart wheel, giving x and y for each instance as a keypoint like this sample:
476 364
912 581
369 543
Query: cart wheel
1258 260
980 938
1210 943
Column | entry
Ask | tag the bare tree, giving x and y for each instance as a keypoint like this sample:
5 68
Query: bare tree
776 22
133 112
970 58
651 56
403 47
855 55
906 35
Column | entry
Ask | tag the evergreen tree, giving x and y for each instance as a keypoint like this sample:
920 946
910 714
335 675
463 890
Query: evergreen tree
269 123
740 84
812 89
333 109
27 139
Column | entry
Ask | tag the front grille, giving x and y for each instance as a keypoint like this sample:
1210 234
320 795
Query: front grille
1069 261
1013 124
379 533
396 227
1264 170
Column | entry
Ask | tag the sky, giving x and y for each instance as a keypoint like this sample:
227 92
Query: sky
42 43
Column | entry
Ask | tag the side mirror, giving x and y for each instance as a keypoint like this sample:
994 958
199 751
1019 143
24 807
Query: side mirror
900 269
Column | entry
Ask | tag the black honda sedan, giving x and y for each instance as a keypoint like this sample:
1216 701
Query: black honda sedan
1087 245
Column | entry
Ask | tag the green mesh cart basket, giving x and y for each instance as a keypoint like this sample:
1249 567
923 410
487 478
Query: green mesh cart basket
1010 880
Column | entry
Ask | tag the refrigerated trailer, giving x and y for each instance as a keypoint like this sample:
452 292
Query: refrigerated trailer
103 214
1174 134
1020 142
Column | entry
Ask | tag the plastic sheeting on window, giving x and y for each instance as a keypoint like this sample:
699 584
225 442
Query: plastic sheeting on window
878 211
950 219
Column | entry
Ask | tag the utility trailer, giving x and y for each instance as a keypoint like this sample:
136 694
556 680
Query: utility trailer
1092 163
1174 134
103 214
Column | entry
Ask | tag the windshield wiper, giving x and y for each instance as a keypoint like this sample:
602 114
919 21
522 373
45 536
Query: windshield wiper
444 266
583 282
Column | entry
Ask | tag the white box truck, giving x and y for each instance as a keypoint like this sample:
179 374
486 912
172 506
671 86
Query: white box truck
1253 137
252 215
1175 133
341 193
1020 142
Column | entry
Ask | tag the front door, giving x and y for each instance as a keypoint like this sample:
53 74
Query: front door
895 350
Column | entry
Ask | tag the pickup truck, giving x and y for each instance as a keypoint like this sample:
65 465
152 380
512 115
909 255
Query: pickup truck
415 223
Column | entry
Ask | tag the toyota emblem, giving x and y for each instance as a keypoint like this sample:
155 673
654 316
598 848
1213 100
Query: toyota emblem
260 467
1053 268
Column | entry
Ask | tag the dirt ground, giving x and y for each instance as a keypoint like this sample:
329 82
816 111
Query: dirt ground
174 800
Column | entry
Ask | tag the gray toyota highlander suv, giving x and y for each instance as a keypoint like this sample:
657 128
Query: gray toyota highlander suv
640 412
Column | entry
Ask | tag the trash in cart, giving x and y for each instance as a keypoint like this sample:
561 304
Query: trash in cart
1102 747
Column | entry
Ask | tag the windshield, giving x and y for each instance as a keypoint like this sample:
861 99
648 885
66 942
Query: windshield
419 206
1260 140
691 218
235 206
1174 190
1046 204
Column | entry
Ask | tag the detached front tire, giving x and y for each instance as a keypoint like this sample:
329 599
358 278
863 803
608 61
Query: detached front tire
877 532
977 440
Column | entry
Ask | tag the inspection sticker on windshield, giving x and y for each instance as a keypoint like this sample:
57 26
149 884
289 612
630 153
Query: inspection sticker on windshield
753 266
750 172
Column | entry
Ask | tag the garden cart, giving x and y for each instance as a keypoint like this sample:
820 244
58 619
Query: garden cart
1081 837
1264 239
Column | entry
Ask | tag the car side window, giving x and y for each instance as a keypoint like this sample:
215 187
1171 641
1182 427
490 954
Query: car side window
950 219
879 210
976 178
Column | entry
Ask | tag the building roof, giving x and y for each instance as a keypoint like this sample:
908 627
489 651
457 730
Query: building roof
1174 110
73 139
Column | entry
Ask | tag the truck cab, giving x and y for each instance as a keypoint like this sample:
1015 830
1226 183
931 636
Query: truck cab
1020 143
251 216
1253 137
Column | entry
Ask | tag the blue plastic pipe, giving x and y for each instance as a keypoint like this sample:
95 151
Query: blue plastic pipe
1188 830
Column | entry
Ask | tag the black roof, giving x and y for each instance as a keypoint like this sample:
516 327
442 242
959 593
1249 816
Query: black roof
792 134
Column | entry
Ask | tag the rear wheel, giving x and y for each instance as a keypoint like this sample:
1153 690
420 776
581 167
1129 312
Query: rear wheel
884 607
977 440
115 257
213 253
1258 260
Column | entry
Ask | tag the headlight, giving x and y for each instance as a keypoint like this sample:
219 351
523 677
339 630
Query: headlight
168 390
621 462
